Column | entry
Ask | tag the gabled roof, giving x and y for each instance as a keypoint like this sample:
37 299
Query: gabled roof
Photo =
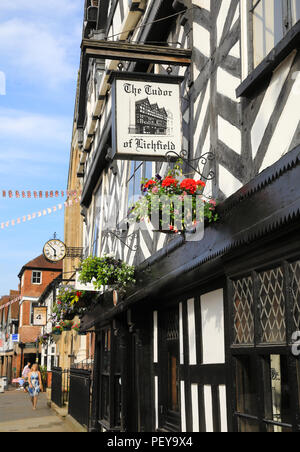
41 263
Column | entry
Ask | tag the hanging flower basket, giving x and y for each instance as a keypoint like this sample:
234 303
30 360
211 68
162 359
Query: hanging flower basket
68 304
76 328
56 333
106 272
44 339
86 299
66 325
174 204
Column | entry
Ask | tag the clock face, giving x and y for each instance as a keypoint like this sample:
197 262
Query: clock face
55 250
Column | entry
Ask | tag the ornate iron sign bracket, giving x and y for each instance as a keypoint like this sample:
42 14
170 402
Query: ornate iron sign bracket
74 252
123 238
203 159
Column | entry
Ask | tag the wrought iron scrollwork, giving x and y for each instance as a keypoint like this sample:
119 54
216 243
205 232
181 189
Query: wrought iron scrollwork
123 238
203 159
74 252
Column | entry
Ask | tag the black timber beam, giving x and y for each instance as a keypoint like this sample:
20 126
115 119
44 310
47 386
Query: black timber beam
125 51
264 213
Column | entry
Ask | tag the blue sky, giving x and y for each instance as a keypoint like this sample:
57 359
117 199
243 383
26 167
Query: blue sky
39 57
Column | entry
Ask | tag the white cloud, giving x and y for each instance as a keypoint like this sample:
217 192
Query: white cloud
38 53
42 8
37 128
31 144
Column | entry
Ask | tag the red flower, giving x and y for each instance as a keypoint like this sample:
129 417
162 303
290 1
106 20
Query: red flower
169 181
149 183
189 185
201 183
78 294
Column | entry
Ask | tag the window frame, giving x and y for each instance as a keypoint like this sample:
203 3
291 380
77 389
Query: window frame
40 277
96 226
287 25
132 177
168 420
258 351
251 75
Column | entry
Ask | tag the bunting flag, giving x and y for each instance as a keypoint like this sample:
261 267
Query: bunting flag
10 194
15 300
41 213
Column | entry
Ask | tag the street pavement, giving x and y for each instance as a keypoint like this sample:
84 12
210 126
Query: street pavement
17 415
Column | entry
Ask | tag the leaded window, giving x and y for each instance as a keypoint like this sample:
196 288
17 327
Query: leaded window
243 311
272 305
295 291
265 311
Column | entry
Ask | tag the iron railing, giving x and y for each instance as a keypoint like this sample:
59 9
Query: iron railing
86 364
60 386
80 395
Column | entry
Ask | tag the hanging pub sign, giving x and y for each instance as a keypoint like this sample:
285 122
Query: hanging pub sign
40 316
147 118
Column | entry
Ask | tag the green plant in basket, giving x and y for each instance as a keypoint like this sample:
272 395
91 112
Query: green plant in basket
67 303
106 271
66 325
57 330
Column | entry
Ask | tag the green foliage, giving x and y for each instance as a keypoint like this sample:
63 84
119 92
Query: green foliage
67 303
44 372
179 201
106 271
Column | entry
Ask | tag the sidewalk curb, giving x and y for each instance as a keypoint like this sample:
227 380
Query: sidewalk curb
63 414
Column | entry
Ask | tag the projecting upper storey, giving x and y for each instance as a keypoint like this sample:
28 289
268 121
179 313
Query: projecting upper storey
241 67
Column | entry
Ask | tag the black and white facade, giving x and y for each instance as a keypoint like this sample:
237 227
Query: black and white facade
203 342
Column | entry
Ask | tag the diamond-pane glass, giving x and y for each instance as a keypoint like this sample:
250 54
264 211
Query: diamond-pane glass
295 290
172 325
272 303
243 311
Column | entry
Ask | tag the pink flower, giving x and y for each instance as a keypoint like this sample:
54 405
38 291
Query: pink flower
155 190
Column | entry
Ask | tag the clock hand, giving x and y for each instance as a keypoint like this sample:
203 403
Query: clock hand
53 250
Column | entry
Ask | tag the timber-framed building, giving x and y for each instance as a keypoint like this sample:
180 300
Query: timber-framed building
203 342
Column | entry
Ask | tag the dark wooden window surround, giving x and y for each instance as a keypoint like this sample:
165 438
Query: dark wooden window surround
265 69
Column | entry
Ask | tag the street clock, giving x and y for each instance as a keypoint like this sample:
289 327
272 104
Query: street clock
55 250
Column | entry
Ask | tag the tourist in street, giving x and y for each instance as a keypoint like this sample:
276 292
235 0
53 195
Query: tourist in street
35 384
25 374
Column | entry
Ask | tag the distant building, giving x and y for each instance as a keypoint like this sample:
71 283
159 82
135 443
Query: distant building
35 276
9 321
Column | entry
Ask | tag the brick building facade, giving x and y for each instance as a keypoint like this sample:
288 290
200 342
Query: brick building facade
35 276
9 321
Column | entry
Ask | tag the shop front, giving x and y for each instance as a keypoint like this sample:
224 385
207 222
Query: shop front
204 341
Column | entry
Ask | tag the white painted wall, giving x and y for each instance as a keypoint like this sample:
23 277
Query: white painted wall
213 335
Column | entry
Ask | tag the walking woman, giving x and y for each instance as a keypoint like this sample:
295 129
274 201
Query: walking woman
35 384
